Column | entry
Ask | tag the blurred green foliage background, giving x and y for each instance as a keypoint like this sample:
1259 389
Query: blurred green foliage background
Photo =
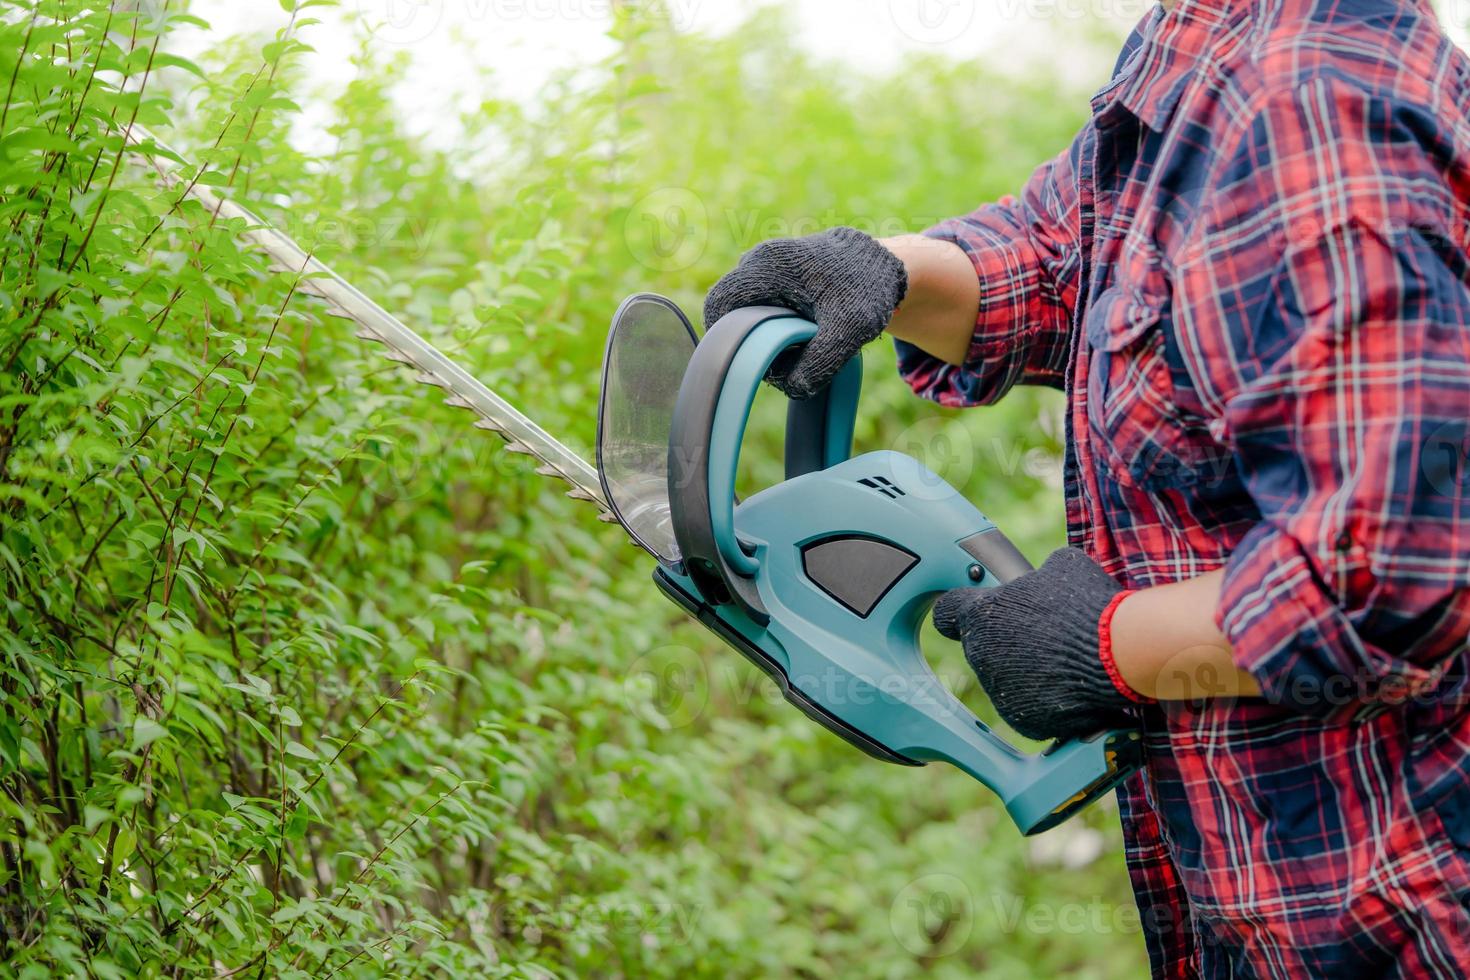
303 676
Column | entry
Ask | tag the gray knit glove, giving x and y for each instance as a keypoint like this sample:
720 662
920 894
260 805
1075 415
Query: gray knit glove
842 279
1033 642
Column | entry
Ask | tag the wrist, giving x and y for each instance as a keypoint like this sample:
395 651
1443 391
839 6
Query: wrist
1107 653
942 302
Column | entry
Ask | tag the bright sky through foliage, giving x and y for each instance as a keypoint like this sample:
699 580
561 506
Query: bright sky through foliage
451 43
522 41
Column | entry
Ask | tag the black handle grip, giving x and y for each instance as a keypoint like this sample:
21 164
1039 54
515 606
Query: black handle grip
819 428
689 454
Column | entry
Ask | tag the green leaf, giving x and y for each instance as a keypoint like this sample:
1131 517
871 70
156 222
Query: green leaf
146 731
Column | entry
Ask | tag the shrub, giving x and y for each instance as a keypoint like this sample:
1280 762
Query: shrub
304 677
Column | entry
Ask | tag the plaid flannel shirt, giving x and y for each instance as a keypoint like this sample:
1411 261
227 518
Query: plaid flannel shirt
1250 274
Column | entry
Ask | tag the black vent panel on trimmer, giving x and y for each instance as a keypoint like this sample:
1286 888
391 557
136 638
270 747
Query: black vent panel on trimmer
884 486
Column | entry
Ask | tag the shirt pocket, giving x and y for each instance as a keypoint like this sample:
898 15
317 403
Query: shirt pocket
1139 431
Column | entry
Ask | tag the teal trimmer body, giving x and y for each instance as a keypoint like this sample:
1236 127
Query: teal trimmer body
824 579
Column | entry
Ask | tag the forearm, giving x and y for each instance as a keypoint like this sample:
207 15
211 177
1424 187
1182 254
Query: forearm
1166 645
938 312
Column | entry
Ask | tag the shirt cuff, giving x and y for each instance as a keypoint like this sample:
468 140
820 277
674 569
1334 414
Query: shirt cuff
1289 632
1004 329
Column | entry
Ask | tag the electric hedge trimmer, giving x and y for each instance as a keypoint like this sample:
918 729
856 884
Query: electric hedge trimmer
822 580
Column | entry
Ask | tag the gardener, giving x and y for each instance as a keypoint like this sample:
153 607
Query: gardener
1249 272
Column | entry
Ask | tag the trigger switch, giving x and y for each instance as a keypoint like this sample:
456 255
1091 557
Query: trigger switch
856 571
995 551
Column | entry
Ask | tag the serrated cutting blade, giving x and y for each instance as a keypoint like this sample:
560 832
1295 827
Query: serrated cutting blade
462 390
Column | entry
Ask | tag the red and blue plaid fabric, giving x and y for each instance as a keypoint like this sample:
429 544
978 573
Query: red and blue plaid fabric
1250 274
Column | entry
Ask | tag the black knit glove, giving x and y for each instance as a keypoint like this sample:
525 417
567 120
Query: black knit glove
1033 642
842 279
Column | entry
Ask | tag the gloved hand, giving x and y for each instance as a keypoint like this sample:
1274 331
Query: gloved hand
843 280
1034 644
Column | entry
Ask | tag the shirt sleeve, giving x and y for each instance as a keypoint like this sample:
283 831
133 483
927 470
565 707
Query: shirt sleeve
1329 322
1026 252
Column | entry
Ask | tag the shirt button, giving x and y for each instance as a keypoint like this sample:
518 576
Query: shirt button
1304 231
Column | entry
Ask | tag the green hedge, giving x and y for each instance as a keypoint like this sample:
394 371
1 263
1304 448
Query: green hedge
304 677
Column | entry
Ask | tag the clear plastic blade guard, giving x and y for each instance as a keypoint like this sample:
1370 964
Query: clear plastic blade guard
648 348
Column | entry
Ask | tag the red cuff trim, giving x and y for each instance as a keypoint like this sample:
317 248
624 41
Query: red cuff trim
1105 649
